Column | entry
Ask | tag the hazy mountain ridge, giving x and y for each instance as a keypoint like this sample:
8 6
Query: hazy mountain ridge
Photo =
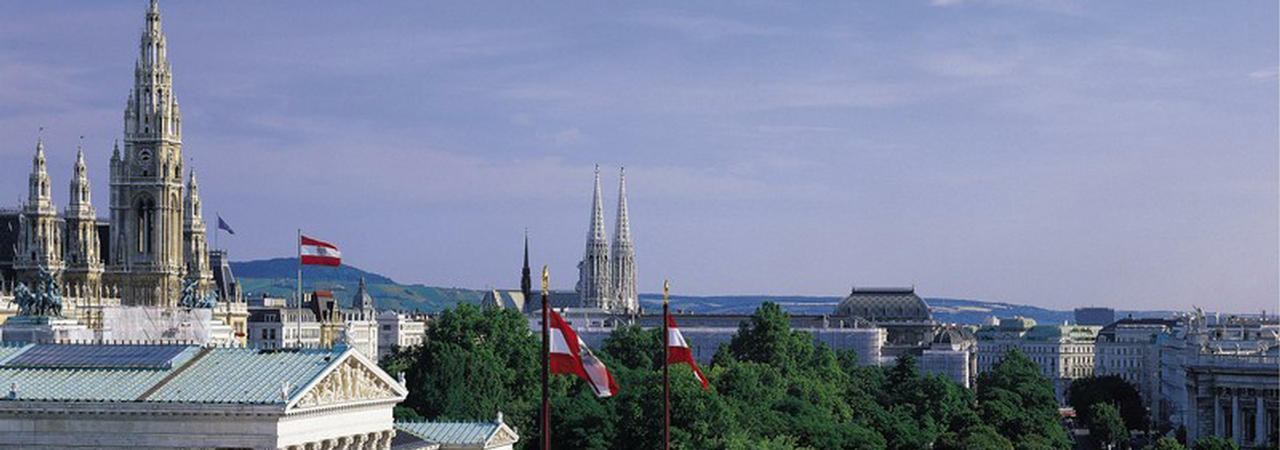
277 277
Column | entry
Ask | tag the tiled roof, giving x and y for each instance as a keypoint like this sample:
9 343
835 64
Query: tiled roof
450 433
195 375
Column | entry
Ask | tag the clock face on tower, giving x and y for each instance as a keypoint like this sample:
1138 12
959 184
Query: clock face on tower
144 162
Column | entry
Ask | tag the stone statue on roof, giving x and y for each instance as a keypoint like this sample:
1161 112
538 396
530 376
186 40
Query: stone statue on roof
46 300
192 298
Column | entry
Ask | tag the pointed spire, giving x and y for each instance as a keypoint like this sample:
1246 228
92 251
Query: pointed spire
526 280
594 283
624 256
622 229
597 213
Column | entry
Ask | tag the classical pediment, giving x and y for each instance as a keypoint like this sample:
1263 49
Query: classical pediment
352 380
504 435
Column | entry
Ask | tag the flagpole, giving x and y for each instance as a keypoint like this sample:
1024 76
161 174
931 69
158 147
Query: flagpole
546 355
298 306
666 368
216 230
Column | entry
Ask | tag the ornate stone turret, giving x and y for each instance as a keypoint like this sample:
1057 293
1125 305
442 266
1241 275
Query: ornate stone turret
624 256
147 257
594 283
194 243
83 276
39 246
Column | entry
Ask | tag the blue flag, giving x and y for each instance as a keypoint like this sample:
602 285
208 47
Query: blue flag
222 224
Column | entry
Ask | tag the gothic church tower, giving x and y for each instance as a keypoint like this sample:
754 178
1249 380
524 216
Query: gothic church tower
83 276
594 284
39 233
146 182
624 256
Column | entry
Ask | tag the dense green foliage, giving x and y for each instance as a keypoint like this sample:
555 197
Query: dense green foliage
1214 443
772 388
1086 392
1165 443
1105 425
1018 401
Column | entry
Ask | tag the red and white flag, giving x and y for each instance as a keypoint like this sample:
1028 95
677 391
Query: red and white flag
319 253
678 351
569 355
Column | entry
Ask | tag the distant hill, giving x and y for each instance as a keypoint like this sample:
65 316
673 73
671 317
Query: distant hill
278 277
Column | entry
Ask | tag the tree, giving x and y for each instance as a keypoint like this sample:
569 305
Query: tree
472 364
1105 425
1086 392
1214 443
1165 443
980 437
634 347
1018 401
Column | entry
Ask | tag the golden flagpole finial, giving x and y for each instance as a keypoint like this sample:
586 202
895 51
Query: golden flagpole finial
666 289
546 279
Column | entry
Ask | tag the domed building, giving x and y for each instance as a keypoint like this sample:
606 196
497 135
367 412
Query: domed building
902 313
883 305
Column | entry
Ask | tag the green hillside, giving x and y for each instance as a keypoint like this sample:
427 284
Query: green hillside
278 277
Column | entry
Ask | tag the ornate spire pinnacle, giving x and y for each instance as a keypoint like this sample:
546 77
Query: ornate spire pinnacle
39 195
624 256
194 210
80 205
594 283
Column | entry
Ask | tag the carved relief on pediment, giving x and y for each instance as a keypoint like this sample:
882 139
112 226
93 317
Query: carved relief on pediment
503 436
349 382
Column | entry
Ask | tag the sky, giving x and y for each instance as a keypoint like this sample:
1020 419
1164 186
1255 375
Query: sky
1054 153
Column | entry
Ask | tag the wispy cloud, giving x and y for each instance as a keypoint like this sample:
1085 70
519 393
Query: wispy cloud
1265 74
702 27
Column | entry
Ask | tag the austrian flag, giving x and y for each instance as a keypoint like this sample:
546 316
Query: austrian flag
678 351
318 253
569 355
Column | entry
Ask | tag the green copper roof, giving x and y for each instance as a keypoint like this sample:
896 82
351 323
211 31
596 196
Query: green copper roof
242 375
450 433
193 375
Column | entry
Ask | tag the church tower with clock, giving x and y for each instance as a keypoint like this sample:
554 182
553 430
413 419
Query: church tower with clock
146 260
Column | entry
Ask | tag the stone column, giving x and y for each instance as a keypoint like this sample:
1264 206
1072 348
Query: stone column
1237 422
1260 418
1217 414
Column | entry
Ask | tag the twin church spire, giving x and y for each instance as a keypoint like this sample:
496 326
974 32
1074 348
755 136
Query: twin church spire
608 280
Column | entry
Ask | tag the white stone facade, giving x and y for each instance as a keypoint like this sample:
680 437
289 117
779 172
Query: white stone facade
399 330
1064 353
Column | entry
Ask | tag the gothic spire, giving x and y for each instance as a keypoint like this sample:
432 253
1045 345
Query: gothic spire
153 109
597 215
594 283
624 257
526 282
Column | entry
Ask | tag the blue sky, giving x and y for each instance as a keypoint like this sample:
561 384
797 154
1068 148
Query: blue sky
1053 153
